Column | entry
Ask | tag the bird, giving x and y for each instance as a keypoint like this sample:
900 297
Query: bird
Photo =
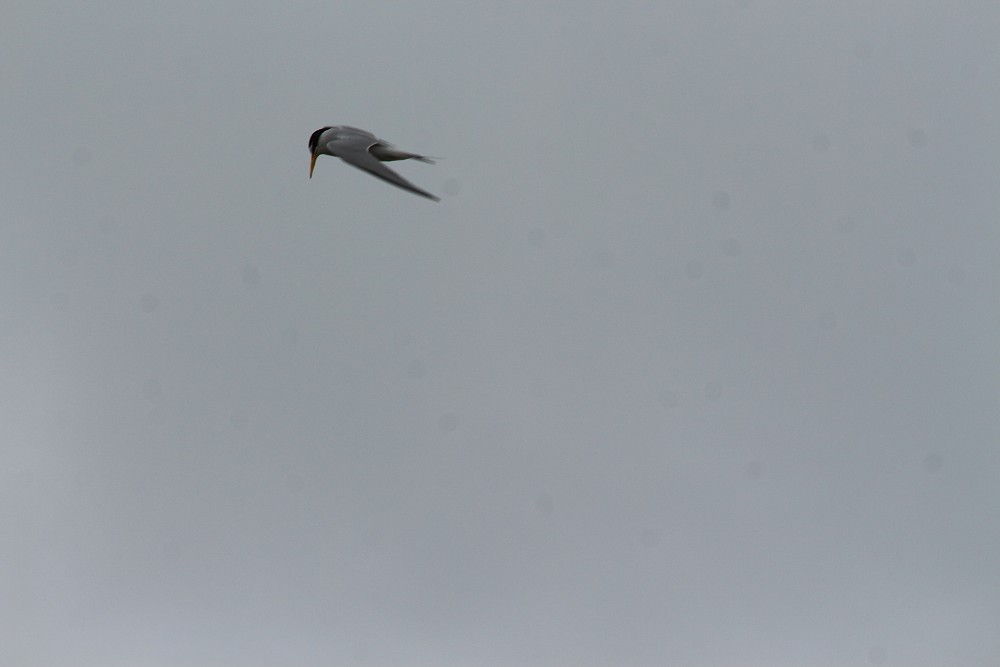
363 150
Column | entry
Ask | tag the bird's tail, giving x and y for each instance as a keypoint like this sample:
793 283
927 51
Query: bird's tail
388 153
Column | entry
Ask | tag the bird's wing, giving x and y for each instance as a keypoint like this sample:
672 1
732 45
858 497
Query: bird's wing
354 151
347 130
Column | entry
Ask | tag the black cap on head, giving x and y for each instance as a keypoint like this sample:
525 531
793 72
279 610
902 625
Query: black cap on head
314 138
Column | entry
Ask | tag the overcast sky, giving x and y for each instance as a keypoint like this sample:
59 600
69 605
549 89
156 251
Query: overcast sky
695 363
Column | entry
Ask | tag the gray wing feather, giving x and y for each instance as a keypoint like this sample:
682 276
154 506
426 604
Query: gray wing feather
354 151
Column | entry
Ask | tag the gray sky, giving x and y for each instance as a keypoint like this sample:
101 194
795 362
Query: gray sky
694 364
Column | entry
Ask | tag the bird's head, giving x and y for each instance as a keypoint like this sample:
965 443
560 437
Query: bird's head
314 147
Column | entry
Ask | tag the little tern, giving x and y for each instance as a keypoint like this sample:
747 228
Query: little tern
365 151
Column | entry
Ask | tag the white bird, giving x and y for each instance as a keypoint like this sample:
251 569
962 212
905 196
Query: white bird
365 151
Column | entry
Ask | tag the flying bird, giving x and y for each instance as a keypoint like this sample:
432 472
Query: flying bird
365 151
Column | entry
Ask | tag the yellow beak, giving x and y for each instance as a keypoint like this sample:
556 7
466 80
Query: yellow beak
312 164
